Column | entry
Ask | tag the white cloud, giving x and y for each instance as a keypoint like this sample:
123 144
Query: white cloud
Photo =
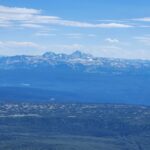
145 19
45 34
10 48
16 44
79 35
112 40
28 25
143 39
91 25
15 10
34 18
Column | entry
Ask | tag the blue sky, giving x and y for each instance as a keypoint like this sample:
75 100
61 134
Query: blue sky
107 28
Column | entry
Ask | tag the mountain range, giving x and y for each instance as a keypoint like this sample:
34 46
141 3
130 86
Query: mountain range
78 77
74 59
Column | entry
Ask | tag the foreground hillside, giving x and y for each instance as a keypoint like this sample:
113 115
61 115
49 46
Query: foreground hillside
75 77
55 126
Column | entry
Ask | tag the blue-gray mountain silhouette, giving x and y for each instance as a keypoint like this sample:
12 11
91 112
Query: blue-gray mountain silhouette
75 77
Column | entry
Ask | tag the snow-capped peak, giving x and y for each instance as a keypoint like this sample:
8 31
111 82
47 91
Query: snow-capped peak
79 54
77 57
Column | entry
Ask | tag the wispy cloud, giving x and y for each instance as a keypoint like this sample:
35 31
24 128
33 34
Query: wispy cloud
45 34
144 19
17 11
10 48
28 25
134 22
112 40
79 35
33 18
16 44
143 39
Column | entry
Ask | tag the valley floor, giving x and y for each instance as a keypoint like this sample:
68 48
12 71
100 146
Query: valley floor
59 126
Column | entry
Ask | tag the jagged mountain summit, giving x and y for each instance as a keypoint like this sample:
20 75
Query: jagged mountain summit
78 77
76 58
